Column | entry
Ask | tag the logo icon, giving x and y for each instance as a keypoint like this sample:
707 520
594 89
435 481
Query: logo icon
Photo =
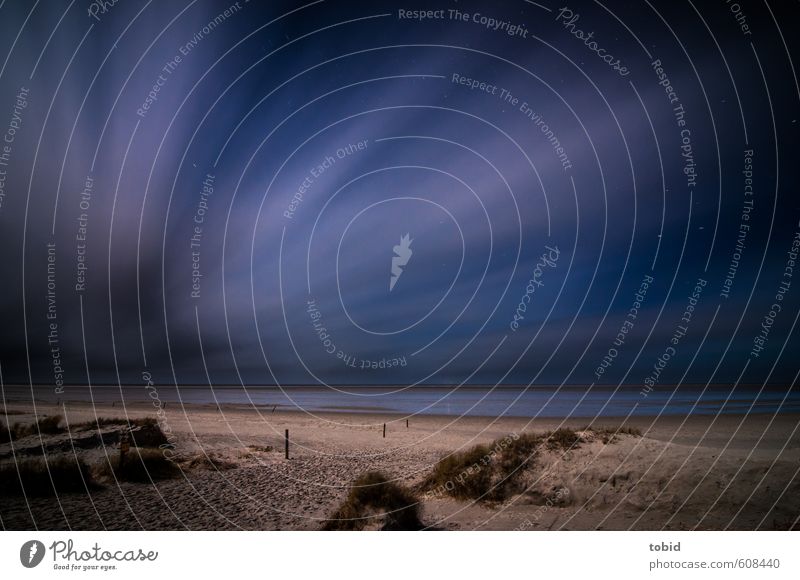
402 256
31 553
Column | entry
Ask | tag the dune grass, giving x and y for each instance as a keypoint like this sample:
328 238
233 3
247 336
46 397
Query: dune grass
462 474
101 422
562 439
493 472
610 435
209 461
139 466
372 499
145 431
47 425
69 475
261 448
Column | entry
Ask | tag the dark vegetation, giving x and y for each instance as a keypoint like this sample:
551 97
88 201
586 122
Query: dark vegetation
39 478
462 473
609 435
208 461
261 448
48 425
70 474
139 466
144 432
374 500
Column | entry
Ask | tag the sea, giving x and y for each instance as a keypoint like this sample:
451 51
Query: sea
498 401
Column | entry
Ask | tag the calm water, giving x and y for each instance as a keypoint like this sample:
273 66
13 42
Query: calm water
508 401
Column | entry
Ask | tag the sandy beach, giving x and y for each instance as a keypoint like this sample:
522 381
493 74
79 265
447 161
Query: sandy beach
723 472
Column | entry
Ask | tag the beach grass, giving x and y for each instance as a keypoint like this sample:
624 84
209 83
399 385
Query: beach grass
374 500
493 472
139 466
38 477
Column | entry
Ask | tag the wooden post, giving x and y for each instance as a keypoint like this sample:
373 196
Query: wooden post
384 430
273 408
124 446
406 423
286 444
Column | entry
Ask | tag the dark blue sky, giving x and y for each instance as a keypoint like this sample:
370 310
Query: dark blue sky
252 166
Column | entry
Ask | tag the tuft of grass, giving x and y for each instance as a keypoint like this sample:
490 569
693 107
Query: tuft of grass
373 498
635 431
520 453
145 431
50 425
463 475
492 473
140 466
208 461
101 422
609 435
20 430
69 475
563 438
262 448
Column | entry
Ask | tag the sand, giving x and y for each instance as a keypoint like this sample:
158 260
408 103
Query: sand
727 472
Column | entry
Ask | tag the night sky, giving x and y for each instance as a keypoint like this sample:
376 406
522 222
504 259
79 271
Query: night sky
214 192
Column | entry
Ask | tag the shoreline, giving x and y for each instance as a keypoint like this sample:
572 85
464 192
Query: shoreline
18 405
